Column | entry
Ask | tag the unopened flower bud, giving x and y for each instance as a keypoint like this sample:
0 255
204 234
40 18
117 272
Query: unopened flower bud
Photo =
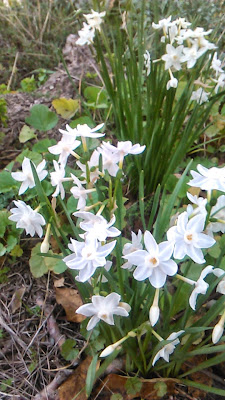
154 314
44 246
217 333
108 350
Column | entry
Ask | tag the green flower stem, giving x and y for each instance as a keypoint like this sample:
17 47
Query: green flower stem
75 230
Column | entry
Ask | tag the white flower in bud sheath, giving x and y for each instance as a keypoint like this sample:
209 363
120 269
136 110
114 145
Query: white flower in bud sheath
153 263
87 257
208 179
188 238
147 62
97 226
200 286
200 95
169 348
154 314
26 176
217 332
27 218
102 308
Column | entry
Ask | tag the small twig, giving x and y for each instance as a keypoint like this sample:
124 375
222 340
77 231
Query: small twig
13 334
13 71
49 390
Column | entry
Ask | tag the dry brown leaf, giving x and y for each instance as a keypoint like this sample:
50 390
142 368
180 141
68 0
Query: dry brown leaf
75 383
199 376
59 282
114 383
194 191
16 299
70 300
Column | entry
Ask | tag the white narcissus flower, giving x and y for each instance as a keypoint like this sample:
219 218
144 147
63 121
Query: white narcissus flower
192 54
103 308
173 58
200 95
57 179
26 176
86 35
164 24
96 226
87 256
169 348
200 203
83 131
220 82
188 238
208 179
124 148
200 286
131 247
79 192
216 65
95 19
27 218
93 167
155 263
64 148
110 160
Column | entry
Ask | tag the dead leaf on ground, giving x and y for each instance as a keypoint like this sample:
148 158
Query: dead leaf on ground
70 300
74 386
150 389
199 376
59 282
17 299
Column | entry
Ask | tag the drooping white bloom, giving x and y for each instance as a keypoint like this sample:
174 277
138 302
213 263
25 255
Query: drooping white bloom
169 348
221 285
208 179
173 58
26 176
27 218
96 226
153 263
188 237
147 62
87 256
200 286
95 19
216 65
79 192
131 247
173 82
200 204
86 35
103 308
57 179
200 95
64 148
